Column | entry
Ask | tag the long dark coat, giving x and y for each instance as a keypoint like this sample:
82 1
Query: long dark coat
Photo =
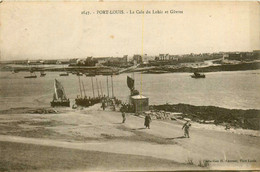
147 121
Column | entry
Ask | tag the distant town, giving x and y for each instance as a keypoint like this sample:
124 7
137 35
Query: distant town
160 63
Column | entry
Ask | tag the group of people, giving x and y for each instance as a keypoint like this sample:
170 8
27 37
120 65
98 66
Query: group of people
127 108
87 101
148 120
113 102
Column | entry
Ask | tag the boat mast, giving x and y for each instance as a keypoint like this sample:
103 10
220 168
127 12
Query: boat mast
92 87
97 87
107 87
83 89
80 87
112 86
101 89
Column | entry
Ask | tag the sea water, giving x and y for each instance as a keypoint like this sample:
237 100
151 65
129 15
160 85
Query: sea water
236 89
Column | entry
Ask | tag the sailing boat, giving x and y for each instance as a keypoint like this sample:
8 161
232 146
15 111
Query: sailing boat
130 83
87 101
131 86
59 96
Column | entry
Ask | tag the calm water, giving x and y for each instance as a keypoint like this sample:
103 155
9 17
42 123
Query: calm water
239 89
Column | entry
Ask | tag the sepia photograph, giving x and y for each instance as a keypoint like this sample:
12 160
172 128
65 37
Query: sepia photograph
129 86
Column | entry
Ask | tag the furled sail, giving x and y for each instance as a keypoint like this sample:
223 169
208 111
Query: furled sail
59 91
130 83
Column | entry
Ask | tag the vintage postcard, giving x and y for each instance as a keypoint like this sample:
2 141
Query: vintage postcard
129 86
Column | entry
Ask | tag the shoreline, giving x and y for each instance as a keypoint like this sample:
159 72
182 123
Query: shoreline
242 119
107 70
231 118
219 68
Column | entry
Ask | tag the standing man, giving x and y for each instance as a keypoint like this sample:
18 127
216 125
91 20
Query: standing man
103 105
186 128
147 121
123 116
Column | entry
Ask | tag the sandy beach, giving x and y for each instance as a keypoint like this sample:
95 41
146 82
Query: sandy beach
93 139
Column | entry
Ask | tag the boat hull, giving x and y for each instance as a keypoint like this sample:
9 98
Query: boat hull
202 76
30 77
89 75
60 103
84 102
64 74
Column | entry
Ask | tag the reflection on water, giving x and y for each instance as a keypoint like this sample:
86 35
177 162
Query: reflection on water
239 89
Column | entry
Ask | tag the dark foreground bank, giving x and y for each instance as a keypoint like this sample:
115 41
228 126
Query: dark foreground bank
238 118
24 157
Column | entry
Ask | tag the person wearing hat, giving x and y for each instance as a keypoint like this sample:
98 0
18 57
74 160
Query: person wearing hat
147 121
186 128
123 116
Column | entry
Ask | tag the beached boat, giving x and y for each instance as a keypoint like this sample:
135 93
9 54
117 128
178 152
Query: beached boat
85 101
59 96
198 75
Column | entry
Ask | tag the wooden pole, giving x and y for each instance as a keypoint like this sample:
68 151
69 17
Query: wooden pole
101 89
80 87
83 89
112 86
107 87
92 87
97 87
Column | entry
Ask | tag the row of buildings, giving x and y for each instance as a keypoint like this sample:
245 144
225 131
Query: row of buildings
146 59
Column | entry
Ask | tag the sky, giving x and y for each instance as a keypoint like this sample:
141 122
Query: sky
59 30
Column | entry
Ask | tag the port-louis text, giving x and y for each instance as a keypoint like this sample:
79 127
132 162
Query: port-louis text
114 12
